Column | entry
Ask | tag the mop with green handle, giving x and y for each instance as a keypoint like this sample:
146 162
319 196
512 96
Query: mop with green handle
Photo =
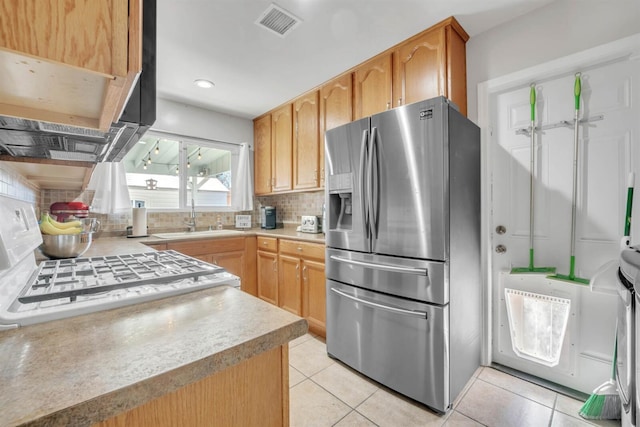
571 277
531 268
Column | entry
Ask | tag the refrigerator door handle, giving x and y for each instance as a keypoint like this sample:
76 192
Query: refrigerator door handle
363 183
385 267
415 313
373 183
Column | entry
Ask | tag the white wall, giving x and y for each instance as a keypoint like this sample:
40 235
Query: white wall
559 29
189 120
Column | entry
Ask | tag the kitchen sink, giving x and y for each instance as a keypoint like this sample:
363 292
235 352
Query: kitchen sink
198 234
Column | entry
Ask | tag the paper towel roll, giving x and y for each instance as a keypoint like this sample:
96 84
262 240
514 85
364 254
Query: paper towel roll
139 222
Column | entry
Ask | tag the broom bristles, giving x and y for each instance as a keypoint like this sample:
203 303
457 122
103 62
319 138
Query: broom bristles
601 407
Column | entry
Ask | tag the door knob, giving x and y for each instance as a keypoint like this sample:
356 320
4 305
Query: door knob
501 249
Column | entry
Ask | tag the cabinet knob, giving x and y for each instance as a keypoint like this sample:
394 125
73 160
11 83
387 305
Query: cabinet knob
399 101
388 105
299 249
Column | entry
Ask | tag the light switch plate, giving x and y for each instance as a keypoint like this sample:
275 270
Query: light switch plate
243 221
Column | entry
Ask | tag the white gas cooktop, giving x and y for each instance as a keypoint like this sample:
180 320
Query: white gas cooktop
55 289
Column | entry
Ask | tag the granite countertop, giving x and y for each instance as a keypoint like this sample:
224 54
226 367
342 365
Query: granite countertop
84 369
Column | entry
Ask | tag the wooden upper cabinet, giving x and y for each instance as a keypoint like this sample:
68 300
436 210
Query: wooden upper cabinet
306 146
373 86
262 161
456 39
336 108
419 69
282 147
432 64
81 58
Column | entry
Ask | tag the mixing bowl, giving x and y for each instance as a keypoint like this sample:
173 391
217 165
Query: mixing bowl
90 225
65 245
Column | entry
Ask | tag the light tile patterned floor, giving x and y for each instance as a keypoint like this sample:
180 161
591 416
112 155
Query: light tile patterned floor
324 392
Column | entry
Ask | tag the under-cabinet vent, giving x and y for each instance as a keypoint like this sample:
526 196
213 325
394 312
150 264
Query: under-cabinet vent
278 20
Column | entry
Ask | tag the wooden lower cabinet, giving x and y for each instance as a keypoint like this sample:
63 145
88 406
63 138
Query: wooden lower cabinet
252 393
268 276
237 255
267 269
301 284
289 285
314 307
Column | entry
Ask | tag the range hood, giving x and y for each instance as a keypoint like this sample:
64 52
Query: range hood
21 137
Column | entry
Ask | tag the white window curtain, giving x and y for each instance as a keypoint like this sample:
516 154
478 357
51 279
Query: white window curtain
109 181
242 182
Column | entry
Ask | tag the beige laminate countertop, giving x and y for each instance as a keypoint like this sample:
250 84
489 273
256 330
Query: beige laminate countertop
84 369
126 245
280 233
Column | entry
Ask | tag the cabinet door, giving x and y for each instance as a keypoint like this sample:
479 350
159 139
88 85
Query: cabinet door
336 108
456 39
204 257
314 296
306 147
281 144
262 160
420 68
79 59
268 276
289 292
233 262
373 89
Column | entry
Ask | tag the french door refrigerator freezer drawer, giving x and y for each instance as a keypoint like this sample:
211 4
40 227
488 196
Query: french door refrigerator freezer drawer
419 280
399 343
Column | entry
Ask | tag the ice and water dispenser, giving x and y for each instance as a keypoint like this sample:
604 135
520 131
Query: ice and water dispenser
340 202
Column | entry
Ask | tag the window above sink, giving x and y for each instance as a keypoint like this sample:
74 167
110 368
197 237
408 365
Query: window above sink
167 171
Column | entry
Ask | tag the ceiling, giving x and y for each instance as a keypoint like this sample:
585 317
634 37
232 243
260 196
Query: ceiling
255 70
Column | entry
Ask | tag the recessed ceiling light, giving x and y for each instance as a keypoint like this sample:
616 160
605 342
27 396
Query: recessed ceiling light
207 84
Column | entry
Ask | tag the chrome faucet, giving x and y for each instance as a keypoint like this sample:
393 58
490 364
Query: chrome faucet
192 222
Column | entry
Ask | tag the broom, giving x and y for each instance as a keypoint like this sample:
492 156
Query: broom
604 403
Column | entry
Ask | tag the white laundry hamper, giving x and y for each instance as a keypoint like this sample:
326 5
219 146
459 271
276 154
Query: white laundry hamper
538 324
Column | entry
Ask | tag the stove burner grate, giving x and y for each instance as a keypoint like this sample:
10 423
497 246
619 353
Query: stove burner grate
70 278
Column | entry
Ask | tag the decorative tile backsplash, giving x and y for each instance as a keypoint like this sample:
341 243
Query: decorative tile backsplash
290 207
14 185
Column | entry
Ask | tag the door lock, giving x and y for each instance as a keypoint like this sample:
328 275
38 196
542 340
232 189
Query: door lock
501 229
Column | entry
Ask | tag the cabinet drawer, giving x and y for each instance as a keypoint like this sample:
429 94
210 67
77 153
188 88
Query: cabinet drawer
213 246
269 244
303 249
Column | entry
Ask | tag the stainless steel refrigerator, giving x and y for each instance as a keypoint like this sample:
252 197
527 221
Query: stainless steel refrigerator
404 292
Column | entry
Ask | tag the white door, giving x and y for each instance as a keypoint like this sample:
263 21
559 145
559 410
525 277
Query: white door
608 150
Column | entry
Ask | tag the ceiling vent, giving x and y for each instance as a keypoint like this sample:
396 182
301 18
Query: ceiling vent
278 20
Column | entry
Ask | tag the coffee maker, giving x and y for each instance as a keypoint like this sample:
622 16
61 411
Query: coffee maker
268 217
